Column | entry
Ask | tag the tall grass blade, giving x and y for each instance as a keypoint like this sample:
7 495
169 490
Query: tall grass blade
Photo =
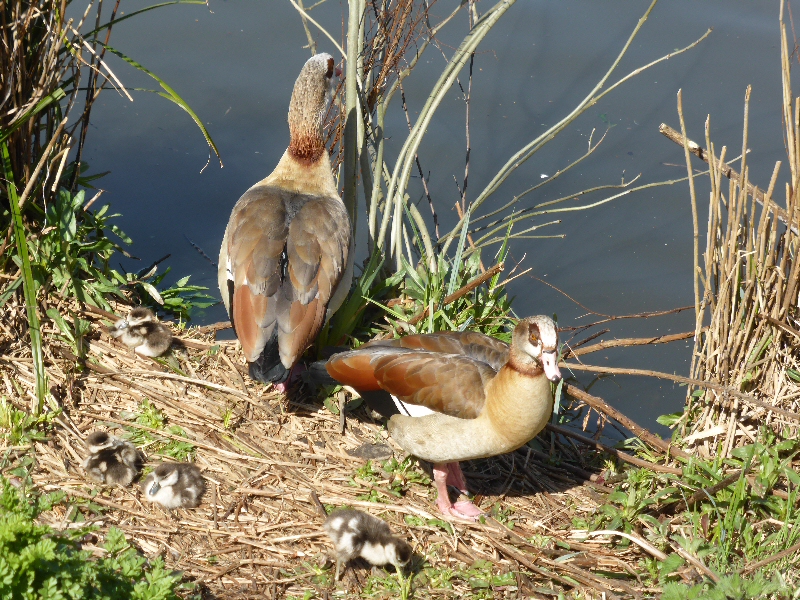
28 283
462 240
172 96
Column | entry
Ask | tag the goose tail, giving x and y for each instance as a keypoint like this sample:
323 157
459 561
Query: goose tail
268 367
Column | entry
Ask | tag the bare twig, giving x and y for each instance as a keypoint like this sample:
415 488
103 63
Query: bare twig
623 456
646 436
696 382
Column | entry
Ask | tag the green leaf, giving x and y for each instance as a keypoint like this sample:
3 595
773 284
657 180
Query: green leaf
150 289
170 95
670 419
29 285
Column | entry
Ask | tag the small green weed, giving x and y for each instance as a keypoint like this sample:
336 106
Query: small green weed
19 427
39 562
392 478
151 417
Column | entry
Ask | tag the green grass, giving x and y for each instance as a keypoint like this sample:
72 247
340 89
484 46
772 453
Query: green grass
150 416
728 530
38 562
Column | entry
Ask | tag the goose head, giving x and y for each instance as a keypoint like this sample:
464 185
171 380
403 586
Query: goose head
312 91
534 347
164 476
398 552
100 440
140 315
137 316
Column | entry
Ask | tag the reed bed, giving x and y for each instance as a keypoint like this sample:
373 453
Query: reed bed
748 325
257 533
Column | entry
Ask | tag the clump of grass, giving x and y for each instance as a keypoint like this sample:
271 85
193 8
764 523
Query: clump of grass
733 516
748 321
37 561
150 416
21 428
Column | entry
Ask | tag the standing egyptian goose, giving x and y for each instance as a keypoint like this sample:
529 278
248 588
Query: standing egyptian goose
286 262
459 395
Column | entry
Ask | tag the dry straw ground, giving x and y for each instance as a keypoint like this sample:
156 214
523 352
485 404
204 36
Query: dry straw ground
257 533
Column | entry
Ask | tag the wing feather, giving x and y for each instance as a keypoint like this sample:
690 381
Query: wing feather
478 346
453 384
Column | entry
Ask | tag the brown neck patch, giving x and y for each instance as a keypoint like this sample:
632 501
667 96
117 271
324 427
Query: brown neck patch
306 149
524 364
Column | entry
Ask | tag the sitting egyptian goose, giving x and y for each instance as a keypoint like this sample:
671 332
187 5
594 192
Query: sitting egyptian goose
141 331
175 485
358 534
286 259
459 395
111 460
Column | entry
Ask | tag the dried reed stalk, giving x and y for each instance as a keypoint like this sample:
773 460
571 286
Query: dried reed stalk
750 295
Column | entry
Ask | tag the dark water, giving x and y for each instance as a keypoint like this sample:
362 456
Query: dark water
235 63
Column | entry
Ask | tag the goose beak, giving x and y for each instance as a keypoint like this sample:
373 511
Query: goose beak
154 488
549 362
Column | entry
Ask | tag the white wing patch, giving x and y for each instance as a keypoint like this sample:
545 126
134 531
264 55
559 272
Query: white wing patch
411 410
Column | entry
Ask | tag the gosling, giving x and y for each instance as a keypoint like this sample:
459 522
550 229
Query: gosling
175 485
111 460
141 331
357 534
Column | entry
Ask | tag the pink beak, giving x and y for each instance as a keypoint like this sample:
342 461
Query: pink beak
549 362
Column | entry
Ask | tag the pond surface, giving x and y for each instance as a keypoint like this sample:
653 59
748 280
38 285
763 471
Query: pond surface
235 63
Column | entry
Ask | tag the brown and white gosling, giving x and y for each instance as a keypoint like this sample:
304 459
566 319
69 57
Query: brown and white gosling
357 534
175 485
111 460
141 331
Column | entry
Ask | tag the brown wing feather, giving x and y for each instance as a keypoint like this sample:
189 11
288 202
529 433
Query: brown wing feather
256 237
317 248
475 345
452 384
287 253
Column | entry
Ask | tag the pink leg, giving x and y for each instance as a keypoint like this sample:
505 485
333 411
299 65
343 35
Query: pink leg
455 477
294 375
450 473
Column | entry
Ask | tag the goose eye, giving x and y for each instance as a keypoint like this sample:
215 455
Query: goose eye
534 340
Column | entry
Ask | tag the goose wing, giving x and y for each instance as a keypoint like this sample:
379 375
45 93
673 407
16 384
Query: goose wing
283 256
452 384
317 250
478 346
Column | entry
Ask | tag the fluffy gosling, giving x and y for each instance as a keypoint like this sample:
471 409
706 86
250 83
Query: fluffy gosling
111 460
175 485
357 534
141 331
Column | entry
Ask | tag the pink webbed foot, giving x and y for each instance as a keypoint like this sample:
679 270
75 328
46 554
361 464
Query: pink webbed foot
466 510
450 473
455 477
